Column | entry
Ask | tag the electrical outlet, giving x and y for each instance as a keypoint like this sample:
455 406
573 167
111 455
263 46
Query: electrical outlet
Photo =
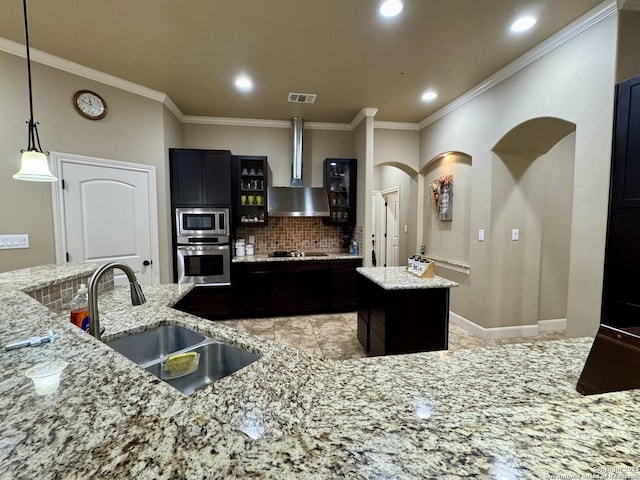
515 234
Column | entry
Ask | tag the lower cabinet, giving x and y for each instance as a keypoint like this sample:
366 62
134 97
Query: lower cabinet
208 302
251 289
402 321
260 289
293 287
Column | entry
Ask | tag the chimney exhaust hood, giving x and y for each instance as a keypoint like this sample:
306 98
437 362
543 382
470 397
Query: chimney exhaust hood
297 200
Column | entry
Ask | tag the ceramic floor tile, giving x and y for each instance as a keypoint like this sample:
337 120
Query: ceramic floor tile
261 328
334 336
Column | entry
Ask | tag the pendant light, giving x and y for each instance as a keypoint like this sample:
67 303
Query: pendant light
34 165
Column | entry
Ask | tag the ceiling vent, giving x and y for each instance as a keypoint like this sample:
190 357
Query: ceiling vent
302 97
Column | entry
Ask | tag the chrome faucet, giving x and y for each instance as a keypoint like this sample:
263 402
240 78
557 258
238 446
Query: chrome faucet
137 297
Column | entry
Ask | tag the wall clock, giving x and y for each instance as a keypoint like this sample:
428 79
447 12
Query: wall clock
89 104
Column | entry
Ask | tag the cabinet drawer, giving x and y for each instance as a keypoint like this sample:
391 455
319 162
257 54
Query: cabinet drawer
363 333
377 325
376 344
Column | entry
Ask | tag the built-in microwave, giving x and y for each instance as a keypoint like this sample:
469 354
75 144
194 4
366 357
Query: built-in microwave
195 224
204 264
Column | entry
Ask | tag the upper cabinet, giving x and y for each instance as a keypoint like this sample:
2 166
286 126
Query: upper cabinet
340 182
250 189
200 177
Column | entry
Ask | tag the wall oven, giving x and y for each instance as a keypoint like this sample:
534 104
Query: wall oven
203 253
204 264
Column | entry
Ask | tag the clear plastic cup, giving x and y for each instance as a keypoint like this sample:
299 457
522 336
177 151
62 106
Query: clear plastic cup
46 376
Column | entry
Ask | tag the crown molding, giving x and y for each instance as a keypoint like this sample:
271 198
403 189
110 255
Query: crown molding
396 125
362 114
258 122
589 19
49 60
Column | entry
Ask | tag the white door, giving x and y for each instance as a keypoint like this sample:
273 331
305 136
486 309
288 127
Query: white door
108 214
392 232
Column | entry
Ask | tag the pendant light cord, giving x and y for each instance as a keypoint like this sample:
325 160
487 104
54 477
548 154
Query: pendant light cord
34 138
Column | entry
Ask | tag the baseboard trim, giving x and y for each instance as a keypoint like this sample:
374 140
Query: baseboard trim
497 333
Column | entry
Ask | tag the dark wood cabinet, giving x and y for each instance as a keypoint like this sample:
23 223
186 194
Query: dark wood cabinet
308 286
402 321
621 296
341 184
261 289
207 302
344 284
200 178
251 284
250 177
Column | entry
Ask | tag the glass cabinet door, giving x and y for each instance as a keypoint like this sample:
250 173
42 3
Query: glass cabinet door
251 201
340 182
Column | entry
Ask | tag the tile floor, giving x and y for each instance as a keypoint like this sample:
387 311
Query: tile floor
334 335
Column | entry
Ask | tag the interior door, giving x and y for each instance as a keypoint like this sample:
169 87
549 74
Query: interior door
392 233
107 217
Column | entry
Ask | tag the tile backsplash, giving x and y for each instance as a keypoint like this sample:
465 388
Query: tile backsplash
296 233
58 295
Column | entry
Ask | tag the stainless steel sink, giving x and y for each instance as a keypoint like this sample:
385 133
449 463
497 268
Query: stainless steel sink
151 348
148 346
217 360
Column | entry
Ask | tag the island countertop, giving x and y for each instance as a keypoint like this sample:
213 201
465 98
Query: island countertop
397 278
494 412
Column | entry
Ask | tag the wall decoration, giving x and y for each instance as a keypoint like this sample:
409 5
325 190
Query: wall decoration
442 192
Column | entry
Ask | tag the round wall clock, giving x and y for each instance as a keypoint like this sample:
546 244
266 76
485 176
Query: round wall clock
89 104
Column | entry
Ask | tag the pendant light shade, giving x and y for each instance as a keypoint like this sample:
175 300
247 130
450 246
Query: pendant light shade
34 165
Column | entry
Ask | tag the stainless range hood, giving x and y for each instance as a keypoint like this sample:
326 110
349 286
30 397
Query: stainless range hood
297 200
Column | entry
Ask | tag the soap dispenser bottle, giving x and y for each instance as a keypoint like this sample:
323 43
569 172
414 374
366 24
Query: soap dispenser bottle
79 307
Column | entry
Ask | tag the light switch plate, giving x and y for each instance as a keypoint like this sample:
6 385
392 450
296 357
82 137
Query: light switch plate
515 234
481 235
14 241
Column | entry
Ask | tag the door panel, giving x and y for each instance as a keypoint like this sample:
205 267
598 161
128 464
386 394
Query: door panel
392 201
107 217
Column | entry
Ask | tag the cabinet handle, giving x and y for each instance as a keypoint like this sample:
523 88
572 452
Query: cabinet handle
146 263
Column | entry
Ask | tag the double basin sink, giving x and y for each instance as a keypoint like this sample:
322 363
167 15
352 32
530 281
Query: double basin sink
151 349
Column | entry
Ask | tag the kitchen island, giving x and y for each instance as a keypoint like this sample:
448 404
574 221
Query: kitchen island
499 412
399 312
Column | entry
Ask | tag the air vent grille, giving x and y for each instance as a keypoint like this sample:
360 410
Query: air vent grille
302 97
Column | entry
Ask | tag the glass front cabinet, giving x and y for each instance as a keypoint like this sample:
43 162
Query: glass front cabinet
250 190
340 182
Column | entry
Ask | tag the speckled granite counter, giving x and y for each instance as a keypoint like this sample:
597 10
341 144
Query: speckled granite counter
397 278
263 257
508 412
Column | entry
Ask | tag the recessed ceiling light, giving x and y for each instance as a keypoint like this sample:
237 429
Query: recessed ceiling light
244 83
523 23
429 95
391 8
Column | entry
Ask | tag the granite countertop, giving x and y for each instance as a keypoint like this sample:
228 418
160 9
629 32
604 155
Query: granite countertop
397 278
503 412
263 257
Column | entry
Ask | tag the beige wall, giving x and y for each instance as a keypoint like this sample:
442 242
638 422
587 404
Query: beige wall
574 82
276 144
132 131
173 136
395 164
628 60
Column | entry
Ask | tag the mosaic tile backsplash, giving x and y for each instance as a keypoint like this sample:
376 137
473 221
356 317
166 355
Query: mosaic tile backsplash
297 233
57 296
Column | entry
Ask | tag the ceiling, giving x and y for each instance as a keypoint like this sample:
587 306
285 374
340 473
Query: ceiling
340 50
